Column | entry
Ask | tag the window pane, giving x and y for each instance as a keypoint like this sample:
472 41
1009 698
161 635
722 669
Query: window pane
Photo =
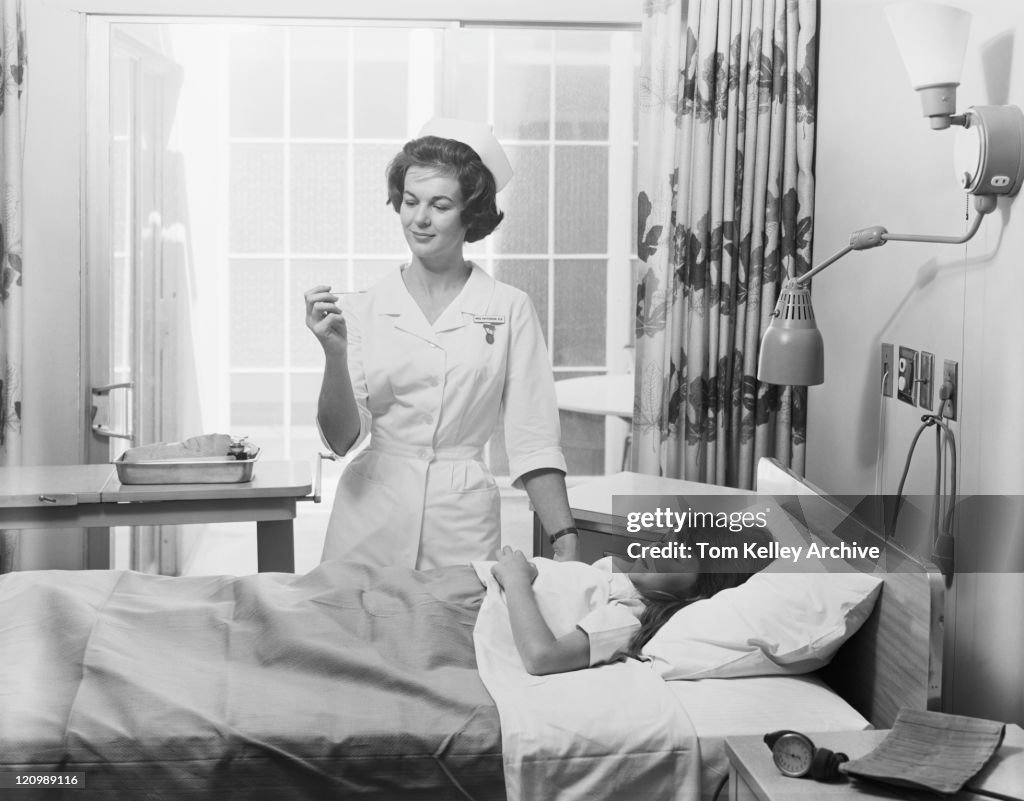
308 273
319 77
256 199
522 84
318 208
305 445
474 75
257 81
381 78
581 85
255 313
305 391
377 227
581 176
256 400
531 276
525 202
580 312
367 272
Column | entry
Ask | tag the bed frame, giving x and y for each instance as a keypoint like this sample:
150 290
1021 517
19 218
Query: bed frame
895 659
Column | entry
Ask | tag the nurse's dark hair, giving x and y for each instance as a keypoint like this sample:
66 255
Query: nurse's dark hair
480 212
714 576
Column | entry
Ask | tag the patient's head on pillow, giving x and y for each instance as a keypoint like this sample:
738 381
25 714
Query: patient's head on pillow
710 559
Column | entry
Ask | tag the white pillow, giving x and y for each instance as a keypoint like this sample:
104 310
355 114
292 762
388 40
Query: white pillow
776 623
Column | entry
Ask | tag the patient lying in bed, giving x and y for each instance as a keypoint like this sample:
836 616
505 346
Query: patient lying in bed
348 681
640 601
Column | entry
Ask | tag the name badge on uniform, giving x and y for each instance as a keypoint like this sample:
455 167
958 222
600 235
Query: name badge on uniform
488 321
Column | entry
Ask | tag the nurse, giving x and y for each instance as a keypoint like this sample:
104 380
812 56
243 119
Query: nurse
426 364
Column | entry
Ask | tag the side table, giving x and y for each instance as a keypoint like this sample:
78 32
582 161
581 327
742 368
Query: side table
754 777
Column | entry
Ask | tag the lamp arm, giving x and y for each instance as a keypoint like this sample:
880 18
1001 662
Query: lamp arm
876 236
803 279
944 240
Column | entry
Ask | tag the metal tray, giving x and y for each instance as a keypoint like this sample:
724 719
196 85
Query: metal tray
201 470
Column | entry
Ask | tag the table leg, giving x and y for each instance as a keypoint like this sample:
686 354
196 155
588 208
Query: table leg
98 550
275 546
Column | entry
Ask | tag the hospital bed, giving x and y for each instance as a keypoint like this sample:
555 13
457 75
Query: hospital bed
354 682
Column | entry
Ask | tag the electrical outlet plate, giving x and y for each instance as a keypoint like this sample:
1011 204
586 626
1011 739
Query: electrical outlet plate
924 380
950 378
886 371
905 371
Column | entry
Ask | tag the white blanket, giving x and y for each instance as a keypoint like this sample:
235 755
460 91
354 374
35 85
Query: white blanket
609 732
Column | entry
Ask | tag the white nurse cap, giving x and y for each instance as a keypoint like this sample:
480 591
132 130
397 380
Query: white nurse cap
479 137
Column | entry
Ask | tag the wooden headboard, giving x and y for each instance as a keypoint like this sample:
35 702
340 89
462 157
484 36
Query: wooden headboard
895 659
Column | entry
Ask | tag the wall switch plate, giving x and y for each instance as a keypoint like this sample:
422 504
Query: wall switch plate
950 385
887 368
905 369
926 374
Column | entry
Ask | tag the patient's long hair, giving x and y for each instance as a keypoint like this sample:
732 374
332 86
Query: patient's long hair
721 575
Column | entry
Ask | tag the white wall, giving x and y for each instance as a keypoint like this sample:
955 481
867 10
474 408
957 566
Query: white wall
879 163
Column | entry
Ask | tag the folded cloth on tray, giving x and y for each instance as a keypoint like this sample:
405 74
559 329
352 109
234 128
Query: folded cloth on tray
347 681
204 446
609 732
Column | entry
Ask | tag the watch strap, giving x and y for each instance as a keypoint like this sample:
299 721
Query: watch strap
563 532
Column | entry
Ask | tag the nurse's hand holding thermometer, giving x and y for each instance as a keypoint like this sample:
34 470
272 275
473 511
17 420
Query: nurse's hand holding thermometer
325 318
337 412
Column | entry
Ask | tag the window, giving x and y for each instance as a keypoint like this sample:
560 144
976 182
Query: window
314 115
281 135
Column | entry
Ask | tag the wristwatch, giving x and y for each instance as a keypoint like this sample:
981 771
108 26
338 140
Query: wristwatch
559 534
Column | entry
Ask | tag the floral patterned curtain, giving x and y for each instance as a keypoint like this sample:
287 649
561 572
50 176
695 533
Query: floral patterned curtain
12 139
725 197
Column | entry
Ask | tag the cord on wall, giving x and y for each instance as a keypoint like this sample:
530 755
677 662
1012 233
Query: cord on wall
879 464
944 500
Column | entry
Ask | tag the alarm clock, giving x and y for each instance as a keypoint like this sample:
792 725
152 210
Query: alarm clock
795 756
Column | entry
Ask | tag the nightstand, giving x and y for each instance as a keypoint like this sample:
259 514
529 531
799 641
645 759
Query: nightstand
754 777
602 533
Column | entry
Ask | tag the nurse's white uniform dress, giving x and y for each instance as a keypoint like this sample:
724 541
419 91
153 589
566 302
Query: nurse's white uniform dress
429 397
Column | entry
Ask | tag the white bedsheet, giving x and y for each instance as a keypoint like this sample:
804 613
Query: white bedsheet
610 732
720 708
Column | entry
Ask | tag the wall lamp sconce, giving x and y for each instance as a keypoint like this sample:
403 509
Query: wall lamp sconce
988 159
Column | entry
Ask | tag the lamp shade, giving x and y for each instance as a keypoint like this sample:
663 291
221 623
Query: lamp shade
932 39
792 350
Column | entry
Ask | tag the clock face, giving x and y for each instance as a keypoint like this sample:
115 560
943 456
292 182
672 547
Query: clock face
793 754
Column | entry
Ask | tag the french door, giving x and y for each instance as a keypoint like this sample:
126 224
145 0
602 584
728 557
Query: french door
133 282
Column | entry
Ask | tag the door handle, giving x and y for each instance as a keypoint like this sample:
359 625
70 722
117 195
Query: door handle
317 495
101 411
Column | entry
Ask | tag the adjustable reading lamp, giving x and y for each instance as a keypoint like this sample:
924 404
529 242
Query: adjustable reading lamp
989 156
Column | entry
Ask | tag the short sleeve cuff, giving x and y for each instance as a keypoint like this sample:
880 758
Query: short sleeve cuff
363 430
550 458
609 629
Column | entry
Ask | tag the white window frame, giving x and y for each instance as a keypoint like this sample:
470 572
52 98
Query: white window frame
101 15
